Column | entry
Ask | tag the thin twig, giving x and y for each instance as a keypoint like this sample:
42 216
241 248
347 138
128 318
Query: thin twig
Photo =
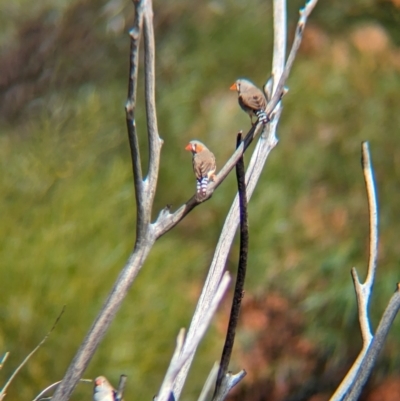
169 378
130 107
5 356
229 382
16 371
240 280
279 87
212 376
373 213
121 388
364 290
375 348
154 139
192 343
43 392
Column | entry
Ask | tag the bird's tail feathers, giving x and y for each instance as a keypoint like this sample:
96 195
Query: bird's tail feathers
262 116
202 184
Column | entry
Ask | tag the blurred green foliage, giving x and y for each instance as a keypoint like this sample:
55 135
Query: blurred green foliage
67 200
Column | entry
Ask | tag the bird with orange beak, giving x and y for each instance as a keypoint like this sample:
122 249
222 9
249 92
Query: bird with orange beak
251 99
103 390
204 165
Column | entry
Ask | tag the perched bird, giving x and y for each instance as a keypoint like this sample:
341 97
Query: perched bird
251 99
203 165
103 390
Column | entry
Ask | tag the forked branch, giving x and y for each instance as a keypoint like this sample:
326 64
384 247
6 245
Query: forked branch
364 290
369 361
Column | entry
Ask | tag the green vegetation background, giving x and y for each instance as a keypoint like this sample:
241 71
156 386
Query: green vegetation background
67 200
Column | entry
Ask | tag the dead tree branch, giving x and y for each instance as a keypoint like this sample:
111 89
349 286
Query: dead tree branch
144 192
375 348
224 382
364 290
121 387
184 351
5 356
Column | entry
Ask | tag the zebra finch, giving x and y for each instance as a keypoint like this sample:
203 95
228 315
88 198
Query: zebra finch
103 390
203 165
251 99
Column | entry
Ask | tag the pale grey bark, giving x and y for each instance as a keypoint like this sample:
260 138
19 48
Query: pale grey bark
351 386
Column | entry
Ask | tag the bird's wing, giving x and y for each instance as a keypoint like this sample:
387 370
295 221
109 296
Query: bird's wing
204 165
255 100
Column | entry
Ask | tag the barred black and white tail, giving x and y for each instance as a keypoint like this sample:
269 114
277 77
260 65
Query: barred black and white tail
202 184
262 116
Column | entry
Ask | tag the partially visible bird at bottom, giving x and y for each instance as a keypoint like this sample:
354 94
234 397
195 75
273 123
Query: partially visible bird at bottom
103 390
251 99
204 165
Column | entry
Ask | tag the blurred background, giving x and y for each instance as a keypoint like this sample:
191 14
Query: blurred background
67 201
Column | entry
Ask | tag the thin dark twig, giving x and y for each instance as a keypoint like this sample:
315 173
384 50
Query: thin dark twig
121 387
375 347
241 275
16 371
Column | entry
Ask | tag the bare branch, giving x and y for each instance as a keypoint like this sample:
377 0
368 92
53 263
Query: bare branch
16 371
363 290
212 376
229 382
121 388
155 141
224 379
373 213
5 356
104 319
304 14
191 344
47 389
130 108
169 378
375 348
